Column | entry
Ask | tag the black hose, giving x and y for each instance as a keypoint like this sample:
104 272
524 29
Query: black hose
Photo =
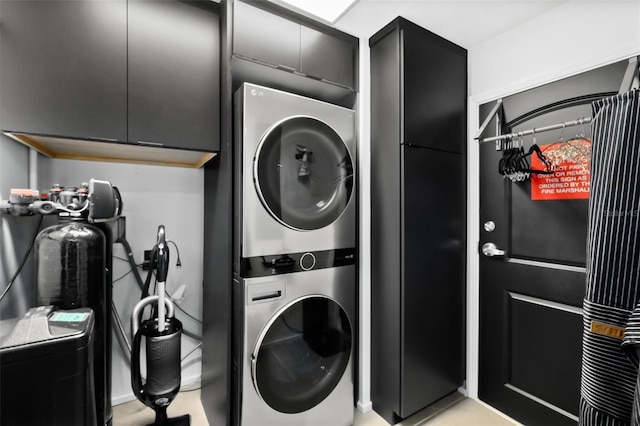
24 260
132 262
144 286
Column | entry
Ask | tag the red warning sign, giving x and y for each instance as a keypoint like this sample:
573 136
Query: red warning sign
572 166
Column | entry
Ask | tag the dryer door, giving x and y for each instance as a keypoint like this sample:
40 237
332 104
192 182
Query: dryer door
302 354
303 173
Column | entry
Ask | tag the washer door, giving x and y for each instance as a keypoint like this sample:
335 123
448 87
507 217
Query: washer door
302 354
303 173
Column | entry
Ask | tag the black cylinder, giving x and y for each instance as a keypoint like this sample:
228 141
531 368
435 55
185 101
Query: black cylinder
163 363
71 272
70 266
163 359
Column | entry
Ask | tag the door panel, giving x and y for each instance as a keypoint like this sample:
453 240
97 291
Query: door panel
534 366
531 297
530 355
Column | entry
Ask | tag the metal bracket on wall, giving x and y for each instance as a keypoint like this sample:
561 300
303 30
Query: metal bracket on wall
631 79
487 120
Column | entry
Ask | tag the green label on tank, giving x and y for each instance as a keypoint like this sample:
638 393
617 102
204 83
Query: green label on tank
69 316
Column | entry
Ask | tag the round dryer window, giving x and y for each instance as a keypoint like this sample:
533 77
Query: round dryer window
303 173
302 354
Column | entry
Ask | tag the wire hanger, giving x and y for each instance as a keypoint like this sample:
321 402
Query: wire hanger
576 150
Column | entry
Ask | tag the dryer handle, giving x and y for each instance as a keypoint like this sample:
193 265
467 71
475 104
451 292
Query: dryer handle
254 372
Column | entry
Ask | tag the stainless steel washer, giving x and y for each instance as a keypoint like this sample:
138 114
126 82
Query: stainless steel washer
295 187
293 357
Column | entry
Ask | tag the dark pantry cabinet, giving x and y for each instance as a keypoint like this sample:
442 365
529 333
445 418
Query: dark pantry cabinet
143 72
418 115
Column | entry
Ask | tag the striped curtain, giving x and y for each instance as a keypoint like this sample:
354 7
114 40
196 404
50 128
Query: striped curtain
609 358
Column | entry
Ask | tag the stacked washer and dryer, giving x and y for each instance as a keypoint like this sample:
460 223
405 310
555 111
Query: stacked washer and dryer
295 273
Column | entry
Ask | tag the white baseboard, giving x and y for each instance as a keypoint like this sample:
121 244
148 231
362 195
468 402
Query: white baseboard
364 407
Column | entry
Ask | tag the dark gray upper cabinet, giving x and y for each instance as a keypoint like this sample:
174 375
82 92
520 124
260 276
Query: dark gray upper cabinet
63 68
277 38
174 74
326 57
265 37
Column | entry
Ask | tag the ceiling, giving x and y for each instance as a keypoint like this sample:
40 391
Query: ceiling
465 22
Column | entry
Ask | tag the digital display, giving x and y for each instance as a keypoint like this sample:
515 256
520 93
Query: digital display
69 316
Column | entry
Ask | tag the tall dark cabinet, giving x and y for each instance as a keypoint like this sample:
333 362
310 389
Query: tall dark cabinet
418 134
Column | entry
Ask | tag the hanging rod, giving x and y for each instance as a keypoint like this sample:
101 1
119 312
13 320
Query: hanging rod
578 122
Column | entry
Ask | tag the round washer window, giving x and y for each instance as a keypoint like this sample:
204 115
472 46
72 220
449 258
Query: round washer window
302 355
303 173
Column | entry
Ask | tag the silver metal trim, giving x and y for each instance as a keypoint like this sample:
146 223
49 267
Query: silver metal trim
548 265
547 303
149 143
578 122
630 75
312 265
542 402
487 120
490 250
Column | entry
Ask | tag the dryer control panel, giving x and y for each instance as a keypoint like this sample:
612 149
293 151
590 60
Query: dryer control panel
263 266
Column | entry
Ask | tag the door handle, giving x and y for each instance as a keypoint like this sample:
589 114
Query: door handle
490 250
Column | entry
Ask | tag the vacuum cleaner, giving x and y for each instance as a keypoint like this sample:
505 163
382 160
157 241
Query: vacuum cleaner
162 336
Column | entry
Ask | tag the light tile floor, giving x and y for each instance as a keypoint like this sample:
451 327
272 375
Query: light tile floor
461 412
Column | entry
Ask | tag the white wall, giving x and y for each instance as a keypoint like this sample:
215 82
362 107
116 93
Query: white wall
152 196
576 36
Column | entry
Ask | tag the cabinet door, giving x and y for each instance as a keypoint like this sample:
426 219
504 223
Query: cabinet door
174 74
64 68
433 277
435 90
265 37
327 57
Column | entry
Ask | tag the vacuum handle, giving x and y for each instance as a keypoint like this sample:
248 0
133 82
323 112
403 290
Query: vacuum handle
137 310
136 374
163 255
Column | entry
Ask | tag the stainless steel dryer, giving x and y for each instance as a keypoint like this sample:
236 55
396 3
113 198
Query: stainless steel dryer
293 359
295 188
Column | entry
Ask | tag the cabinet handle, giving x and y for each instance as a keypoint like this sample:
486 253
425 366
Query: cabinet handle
285 68
102 139
149 143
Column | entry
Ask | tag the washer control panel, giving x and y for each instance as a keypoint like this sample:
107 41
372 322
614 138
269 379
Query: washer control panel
262 266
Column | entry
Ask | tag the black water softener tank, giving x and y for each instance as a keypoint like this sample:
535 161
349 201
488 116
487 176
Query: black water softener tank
71 273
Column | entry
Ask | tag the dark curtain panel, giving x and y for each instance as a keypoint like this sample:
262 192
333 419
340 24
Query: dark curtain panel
613 263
